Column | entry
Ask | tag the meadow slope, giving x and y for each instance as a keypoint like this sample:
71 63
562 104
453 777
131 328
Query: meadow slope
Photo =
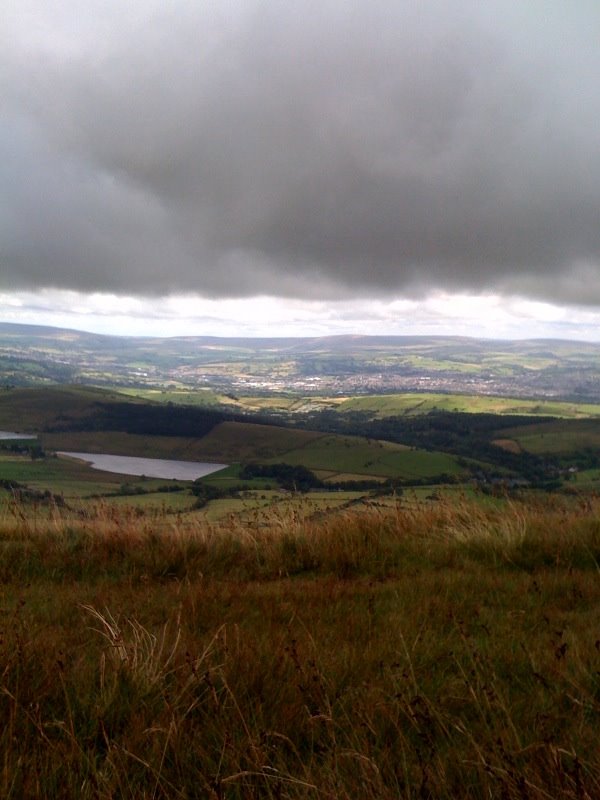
446 650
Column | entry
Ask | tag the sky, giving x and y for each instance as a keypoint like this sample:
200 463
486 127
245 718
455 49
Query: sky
260 167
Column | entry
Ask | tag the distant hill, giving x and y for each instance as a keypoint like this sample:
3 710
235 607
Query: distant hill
330 365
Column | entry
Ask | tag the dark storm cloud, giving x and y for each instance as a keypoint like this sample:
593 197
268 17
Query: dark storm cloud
301 149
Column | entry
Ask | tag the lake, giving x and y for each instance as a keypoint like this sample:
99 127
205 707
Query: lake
12 435
150 467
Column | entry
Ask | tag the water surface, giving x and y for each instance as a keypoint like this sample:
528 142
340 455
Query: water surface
150 467
12 435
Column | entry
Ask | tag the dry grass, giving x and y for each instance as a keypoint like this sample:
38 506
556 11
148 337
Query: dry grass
443 651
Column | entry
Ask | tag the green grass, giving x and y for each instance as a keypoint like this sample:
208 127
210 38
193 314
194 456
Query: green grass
240 441
445 650
555 438
58 475
409 404
425 363
370 458
230 477
387 404
188 397
260 507
157 501
74 479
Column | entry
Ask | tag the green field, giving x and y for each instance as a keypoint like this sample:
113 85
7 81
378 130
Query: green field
556 438
342 454
331 457
384 405
409 404
586 479
239 441
189 397
160 502
263 507
75 480
380 405
58 475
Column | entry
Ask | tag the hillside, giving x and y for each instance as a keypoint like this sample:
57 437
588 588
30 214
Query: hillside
445 651
407 437
79 420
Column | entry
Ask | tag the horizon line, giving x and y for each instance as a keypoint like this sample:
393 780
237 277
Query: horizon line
462 337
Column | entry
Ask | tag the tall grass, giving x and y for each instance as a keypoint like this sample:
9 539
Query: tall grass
440 651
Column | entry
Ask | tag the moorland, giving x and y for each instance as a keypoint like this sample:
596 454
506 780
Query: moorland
423 650
383 595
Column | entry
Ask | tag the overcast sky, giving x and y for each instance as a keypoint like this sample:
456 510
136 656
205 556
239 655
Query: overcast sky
255 167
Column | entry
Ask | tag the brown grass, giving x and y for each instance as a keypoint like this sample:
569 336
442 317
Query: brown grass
508 444
440 651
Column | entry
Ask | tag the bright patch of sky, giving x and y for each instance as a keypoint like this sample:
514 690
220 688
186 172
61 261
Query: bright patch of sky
440 313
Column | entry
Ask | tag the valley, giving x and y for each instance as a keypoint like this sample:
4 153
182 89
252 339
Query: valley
305 367
372 575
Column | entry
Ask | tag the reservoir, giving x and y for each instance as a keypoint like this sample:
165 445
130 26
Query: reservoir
150 467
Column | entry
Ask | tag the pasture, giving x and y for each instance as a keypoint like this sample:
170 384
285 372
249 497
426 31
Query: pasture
389 405
561 437
342 454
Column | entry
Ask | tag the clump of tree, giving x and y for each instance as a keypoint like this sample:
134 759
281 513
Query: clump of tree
143 418
205 492
293 477
151 419
25 494
20 447
301 479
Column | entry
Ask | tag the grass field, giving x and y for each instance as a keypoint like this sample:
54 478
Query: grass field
557 438
586 479
409 404
75 480
58 475
342 454
167 502
381 405
240 441
188 397
80 485
206 397
446 651
260 508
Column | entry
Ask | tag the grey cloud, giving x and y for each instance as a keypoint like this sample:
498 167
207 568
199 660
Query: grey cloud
308 149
